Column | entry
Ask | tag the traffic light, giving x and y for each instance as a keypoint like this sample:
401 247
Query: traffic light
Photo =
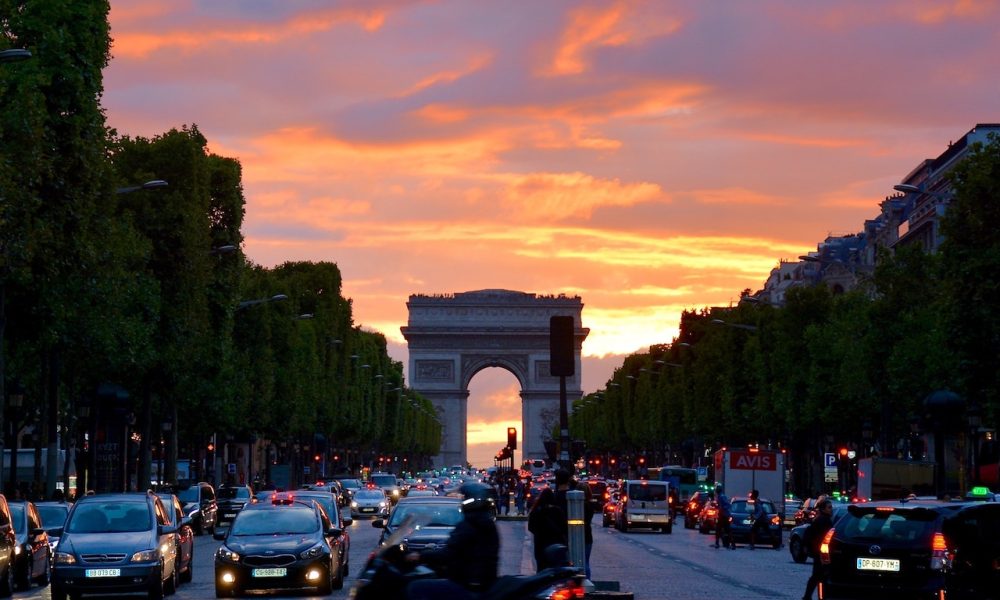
843 453
211 447
512 438
318 457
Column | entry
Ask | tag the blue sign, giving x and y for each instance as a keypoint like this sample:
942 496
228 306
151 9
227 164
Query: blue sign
830 460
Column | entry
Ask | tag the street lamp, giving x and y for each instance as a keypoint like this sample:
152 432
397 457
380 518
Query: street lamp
274 298
907 188
152 184
14 55
226 249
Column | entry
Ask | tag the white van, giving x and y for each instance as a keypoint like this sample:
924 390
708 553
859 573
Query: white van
645 504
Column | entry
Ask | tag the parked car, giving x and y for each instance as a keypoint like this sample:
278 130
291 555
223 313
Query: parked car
279 545
198 500
903 549
113 544
184 538
53 515
693 507
742 522
8 544
32 555
230 500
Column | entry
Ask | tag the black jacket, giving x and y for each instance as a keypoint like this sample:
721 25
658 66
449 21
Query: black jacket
472 554
814 533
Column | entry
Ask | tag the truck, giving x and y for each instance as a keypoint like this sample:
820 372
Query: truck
891 479
739 470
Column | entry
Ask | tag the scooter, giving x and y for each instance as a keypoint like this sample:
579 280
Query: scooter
387 573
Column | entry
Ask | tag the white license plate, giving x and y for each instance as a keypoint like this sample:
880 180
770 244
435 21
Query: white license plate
878 564
229 516
103 572
748 521
269 572
367 510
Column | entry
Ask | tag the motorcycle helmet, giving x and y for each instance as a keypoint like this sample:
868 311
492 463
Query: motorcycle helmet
476 497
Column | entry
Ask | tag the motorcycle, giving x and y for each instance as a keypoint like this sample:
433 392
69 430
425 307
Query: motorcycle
387 573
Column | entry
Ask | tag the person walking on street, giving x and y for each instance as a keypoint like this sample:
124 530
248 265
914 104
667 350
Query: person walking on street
505 496
519 498
812 538
723 529
547 522
758 516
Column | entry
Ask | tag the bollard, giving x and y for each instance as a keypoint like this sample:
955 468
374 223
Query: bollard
574 520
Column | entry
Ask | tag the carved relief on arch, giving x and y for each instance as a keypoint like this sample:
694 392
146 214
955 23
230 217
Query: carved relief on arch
517 364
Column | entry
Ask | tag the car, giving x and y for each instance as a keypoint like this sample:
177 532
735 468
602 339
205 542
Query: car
349 486
198 500
8 545
646 504
184 538
113 544
973 539
328 502
889 548
708 517
796 537
369 502
230 500
742 522
389 484
32 555
598 494
693 507
284 544
435 519
53 515
807 512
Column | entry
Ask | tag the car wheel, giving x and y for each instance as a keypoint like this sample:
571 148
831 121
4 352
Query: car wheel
188 575
170 587
196 525
43 579
668 529
797 550
58 593
326 588
22 580
338 581
224 592
156 586
7 583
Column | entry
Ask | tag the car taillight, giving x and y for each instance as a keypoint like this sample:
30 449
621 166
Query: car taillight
775 520
939 552
692 505
568 591
824 547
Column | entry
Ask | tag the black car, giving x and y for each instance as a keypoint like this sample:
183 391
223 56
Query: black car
742 523
230 500
198 500
184 538
796 537
693 507
901 549
116 544
53 515
8 545
435 517
339 518
285 544
32 555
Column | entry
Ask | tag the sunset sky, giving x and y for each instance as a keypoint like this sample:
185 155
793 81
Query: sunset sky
648 156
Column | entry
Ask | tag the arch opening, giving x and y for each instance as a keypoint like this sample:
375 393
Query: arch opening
494 405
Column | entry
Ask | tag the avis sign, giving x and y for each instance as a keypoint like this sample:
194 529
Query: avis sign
752 461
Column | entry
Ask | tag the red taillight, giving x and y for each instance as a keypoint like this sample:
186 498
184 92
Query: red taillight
711 512
775 520
939 552
569 591
824 547
693 505
939 544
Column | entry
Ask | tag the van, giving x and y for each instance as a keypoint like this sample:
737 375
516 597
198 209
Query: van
645 504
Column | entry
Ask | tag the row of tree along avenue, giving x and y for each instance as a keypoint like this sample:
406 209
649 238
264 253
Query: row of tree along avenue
122 264
828 371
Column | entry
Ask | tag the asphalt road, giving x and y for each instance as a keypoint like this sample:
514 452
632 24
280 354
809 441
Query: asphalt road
652 565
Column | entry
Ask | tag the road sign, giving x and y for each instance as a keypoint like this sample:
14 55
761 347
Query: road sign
231 468
702 473
830 460
306 470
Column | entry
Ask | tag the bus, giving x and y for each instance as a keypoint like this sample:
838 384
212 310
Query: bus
682 479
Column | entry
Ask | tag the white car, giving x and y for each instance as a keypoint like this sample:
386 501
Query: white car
369 502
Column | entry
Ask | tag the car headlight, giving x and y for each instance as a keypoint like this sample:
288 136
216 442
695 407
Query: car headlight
17 549
314 552
63 558
354 504
395 492
381 504
147 555
227 555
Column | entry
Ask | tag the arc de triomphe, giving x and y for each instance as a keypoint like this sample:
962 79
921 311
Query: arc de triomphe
452 337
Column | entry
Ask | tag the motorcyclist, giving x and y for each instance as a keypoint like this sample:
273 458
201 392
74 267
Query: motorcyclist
471 555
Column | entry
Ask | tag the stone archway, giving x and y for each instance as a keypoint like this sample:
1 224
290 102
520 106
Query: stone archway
453 337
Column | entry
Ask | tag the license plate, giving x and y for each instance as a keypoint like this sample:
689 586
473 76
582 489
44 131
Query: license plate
748 521
878 564
367 510
269 572
103 572
229 516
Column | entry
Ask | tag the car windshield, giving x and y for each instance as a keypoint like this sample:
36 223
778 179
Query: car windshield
188 495
369 495
238 493
110 517
647 492
289 521
384 480
53 516
438 514
17 515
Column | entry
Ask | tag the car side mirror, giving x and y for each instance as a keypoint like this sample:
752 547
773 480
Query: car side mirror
380 523
348 521
57 532
219 533
37 532
334 532
165 529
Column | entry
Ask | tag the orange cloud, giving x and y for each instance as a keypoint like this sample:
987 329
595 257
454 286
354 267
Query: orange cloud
562 195
617 25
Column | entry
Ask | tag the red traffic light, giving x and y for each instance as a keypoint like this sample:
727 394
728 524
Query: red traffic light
512 438
317 458
843 452
211 447
642 460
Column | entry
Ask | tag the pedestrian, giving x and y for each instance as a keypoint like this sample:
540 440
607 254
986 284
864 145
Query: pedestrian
519 498
505 496
723 518
547 522
758 516
813 538
564 483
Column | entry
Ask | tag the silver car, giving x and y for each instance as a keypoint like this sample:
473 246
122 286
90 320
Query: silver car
369 502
